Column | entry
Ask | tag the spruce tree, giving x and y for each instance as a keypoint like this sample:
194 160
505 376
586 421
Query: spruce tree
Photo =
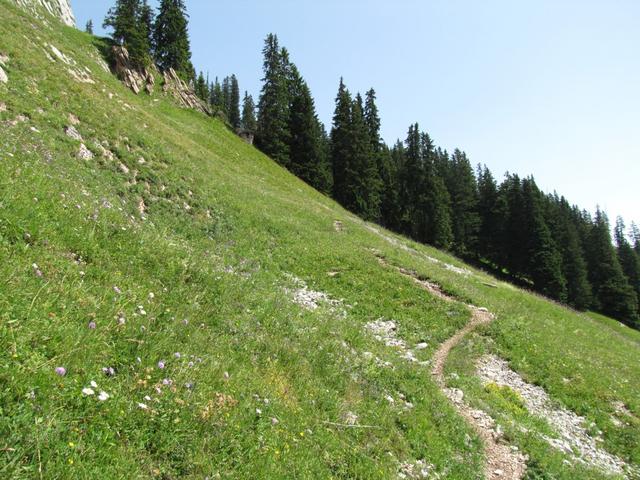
490 219
272 135
89 27
544 261
234 102
412 220
390 165
201 88
249 123
128 30
340 143
307 152
217 96
435 199
146 23
463 191
613 295
628 257
171 39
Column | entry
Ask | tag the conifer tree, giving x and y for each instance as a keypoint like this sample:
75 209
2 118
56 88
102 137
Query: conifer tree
612 293
340 143
544 261
490 220
146 23
308 155
390 165
128 30
628 257
89 27
412 221
249 123
463 191
233 112
201 88
436 202
171 39
272 135
635 236
217 96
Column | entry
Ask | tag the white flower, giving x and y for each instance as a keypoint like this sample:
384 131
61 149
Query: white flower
147 398
142 406
103 396
258 411
88 392
94 384
151 296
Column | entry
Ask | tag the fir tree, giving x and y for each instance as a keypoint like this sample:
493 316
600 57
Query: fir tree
308 155
411 182
272 135
171 39
249 123
233 112
463 191
128 30
146 23
436 202
490 220
613 295
340 143
217 96
390 165
89 27
628 257
201 88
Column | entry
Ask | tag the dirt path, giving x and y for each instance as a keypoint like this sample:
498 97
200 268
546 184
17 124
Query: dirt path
502 460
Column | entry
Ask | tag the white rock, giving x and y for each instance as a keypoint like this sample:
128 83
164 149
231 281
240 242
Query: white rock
3 76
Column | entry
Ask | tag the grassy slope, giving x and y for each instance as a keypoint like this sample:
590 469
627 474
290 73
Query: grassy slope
226 272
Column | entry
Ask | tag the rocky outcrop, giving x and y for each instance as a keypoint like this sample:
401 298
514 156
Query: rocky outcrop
137 79
178 88
60 9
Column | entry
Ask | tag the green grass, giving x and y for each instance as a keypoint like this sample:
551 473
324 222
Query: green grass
224 228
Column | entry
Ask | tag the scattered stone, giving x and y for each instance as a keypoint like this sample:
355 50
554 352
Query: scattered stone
310 299
573 436
4 59
3 76
73 133
123 168
137 79
338 226
73 120
182 92
84 153
3 107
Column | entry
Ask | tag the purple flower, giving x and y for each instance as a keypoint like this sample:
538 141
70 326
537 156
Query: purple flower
92 325
161 364
177 355
188 385
109 371
61 371
117 290
167 382
191 364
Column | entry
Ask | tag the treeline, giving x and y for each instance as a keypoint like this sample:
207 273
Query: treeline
415 188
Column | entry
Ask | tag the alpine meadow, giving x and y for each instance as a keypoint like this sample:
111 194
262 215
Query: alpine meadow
196 283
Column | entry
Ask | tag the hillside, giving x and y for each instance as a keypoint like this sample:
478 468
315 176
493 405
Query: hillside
173 304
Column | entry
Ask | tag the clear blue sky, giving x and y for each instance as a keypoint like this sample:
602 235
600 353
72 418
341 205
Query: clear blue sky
546 87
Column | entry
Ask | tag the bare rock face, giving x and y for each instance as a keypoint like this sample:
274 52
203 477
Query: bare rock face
185 94
137 79
58 8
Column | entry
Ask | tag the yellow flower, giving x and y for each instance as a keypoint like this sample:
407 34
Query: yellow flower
71 444
71 461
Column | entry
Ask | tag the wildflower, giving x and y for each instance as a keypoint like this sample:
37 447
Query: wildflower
167 382
226 375
141 310
121 320
94 384
37 270
177 355
147 398
151 296
161 364
82 274
117 290
88 392
61 371
258 411
138 359
185 322
191 364
142 406
188 385
92 325
275 421
104 396
109 371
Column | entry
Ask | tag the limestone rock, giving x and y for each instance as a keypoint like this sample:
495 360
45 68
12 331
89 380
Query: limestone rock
3 76
184 93
137 79
60 9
